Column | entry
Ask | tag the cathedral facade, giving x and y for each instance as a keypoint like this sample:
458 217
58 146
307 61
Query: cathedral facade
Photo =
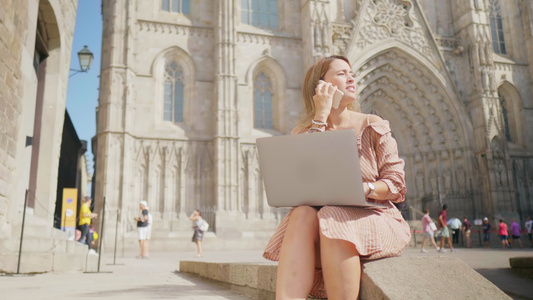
188 86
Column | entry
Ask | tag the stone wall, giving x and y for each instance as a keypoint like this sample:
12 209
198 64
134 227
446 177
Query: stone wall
32 104
13 30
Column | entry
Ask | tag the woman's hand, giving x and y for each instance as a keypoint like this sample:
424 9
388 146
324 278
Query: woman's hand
323 100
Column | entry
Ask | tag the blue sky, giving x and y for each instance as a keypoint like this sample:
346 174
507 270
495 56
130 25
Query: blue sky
82 93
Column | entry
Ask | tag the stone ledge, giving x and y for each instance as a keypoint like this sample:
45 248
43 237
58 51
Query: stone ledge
521 262
522 266
391 278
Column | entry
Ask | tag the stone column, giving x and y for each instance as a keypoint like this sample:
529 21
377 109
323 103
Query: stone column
226 139
113 116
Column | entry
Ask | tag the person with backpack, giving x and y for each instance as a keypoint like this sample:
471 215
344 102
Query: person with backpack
142 227
199 226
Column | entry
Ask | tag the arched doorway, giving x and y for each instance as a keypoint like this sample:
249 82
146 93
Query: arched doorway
428 121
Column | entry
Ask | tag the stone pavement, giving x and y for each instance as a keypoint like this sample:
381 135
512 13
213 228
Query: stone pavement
159 277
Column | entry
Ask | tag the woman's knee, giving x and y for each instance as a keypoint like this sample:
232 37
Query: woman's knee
304 217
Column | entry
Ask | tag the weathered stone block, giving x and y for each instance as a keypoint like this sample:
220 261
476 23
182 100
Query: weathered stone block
521 262
69 262
522 266
428 276
381 279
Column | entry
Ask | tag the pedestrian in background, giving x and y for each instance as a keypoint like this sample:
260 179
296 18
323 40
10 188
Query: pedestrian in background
455 225
503 233
466 229
86 217
529 229
148 233
428 227
444 231
486 232
198 224
515 233
142 227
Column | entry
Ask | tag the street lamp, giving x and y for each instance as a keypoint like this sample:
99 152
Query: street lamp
86 59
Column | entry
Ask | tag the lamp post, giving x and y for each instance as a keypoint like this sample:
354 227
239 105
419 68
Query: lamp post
86 59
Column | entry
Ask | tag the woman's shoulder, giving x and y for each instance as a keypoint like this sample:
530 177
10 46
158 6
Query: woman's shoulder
374 122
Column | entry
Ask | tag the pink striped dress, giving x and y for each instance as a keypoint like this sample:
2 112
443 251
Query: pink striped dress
374 233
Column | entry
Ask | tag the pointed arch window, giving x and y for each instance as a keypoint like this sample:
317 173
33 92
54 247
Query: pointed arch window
260 13
262 102
173 93
176 6
496 27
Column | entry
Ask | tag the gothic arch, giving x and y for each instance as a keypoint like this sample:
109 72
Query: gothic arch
422 107
274 71
514 107
421 91
157 70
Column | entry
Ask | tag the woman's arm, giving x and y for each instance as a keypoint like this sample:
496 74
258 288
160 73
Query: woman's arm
380 192
194 217
391 181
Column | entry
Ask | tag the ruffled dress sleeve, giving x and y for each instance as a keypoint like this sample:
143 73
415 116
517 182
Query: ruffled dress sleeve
390 166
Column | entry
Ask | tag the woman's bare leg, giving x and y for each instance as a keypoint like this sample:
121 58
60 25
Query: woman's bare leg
424 241
433 242
199 246
141 244
146 247
341 268
296 267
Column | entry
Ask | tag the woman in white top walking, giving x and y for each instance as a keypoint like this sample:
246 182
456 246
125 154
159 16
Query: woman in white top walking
198 235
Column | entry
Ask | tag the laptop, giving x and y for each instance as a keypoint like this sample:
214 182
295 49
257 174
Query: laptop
313 169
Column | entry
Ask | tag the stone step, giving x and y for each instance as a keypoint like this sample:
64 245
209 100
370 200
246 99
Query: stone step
44 249
29 262
33 227
29 245
380 279
522 266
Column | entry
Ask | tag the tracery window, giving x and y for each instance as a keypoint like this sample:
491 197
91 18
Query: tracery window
496 27
262 102
173 93
176 6
260 13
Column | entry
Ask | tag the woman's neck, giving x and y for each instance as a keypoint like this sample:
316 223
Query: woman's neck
338 118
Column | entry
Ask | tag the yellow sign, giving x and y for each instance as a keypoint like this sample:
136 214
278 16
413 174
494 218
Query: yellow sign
68 212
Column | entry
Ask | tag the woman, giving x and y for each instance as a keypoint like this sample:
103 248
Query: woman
428 231
198 235
502 231
320 248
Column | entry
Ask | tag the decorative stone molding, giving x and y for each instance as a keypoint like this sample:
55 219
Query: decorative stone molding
510 67
342 34
264 39
450 44
320 28
385 19
179 29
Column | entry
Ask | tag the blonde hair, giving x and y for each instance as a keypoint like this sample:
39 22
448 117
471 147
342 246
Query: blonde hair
312 76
